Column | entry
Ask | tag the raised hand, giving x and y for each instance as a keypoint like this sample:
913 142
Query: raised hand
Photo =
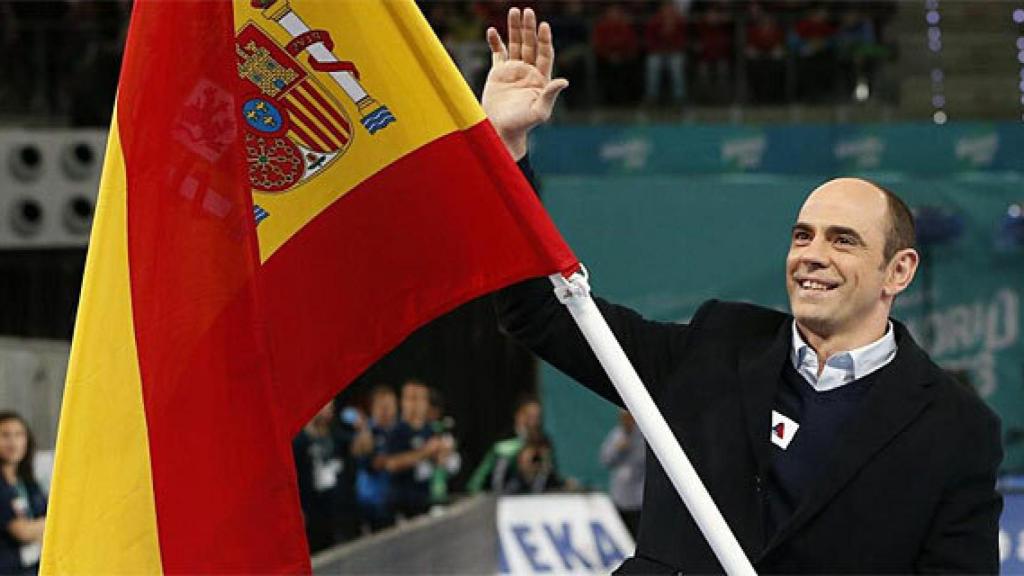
519 93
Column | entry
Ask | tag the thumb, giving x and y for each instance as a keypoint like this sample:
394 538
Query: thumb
548 96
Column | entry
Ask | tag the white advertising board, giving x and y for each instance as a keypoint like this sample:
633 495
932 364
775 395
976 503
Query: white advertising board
561 534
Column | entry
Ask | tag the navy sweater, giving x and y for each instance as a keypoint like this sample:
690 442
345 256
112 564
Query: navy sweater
821 416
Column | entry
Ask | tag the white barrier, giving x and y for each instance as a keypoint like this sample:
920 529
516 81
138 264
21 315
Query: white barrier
561 534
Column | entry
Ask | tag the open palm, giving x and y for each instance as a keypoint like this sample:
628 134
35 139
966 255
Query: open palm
519 93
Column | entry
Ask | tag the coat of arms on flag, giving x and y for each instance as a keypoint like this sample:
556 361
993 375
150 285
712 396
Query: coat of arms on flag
294 128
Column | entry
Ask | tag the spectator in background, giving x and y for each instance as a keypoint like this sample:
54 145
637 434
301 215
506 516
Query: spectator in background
623 453
615 46
714 52
351 419
534 471
369 447
858 51
22 502
572 50
447 466
319 450
765 51
412 450
814 40
499 470
665 37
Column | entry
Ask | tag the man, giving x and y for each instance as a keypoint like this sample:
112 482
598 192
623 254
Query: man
320 451
412 450
505 468
369 448
828 439
624 454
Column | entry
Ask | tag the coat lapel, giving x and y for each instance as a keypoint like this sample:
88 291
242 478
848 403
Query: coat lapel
760 370
893 402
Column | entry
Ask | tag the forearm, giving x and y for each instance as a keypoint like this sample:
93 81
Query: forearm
26 530
404 460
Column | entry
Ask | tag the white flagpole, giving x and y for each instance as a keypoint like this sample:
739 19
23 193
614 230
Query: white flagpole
574 293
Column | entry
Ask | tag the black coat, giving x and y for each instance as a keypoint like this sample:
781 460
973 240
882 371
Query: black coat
908 487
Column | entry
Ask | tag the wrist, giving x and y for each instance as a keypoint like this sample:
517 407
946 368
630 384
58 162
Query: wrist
515 143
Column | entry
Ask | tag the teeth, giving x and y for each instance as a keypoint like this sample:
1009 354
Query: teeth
812 285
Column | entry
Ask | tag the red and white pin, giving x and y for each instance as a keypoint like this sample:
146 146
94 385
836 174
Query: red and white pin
783 429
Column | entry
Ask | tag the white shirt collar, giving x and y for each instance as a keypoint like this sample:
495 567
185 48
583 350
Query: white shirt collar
843 367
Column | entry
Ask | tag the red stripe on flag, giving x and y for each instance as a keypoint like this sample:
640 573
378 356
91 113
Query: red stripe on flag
439 225
223 477
304 137
327 106
334 130
291 104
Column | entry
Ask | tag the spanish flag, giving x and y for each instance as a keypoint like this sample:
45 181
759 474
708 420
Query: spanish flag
290 188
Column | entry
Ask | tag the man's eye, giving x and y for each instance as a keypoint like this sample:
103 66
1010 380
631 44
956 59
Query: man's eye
801 236
845 241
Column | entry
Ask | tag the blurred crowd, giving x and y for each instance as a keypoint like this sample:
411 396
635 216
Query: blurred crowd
392 455
675 52
62 56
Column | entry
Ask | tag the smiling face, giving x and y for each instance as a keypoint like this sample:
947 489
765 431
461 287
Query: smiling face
839 284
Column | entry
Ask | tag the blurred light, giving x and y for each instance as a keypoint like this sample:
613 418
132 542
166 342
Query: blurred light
932 17
1018 15
934 45
934 33
1022 99
931 4
939 101
1021 85
939 117
862 92
1020 56
1020 43
937 75
1010 235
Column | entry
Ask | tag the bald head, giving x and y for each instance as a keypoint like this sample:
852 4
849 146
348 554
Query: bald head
876 203
847 262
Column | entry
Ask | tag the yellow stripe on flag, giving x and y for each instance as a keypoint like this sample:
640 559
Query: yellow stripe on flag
401 65
102 476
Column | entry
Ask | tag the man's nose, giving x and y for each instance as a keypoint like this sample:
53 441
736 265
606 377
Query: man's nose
815 254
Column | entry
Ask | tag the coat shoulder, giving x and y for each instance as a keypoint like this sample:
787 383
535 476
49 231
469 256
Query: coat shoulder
739 319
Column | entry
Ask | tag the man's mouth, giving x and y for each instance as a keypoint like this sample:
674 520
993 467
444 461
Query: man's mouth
815 285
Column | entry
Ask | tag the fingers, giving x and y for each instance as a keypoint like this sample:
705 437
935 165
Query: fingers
546 102
529 50
515 34
498 52
545 50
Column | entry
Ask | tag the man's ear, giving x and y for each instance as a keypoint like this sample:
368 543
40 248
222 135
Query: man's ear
900 271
